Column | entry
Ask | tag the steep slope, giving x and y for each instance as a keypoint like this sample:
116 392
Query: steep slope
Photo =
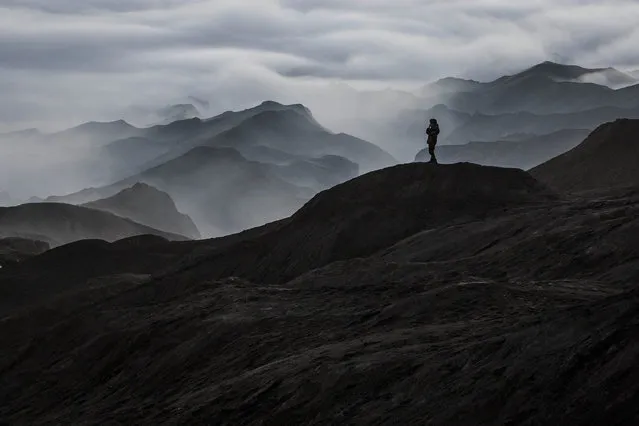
521 153
606 159
148 206
59 224
352 219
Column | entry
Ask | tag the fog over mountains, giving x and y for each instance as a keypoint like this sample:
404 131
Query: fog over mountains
245 168
262 265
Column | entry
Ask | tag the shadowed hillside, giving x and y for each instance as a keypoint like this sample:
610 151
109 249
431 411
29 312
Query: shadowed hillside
354 219
607 158
464 280
14 249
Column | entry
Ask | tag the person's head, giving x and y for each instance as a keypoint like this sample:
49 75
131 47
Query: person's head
433 121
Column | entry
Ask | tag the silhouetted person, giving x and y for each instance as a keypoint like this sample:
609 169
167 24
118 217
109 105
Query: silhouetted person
432 131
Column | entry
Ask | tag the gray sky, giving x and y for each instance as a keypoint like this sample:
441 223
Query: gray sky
67 61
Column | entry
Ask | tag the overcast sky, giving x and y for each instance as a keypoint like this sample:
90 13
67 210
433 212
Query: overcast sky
67 61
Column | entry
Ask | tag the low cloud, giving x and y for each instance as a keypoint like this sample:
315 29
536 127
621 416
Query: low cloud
67 61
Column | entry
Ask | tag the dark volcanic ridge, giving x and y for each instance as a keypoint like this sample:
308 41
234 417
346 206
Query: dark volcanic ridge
418 294
608 158
354 219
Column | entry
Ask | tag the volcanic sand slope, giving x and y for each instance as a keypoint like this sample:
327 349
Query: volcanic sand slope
59 224
354 219
608 158
148 206
506 305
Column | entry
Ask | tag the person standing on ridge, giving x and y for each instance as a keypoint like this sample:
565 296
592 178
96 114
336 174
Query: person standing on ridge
432 131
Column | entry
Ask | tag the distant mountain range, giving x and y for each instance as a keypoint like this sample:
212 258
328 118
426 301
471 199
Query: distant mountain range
437 294
58 224
522 152
543 89
543 99
148 206
282 153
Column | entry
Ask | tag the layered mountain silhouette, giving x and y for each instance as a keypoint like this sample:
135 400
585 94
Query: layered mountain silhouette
351 220
467 280
545 88
460 128
482 127
57 224
289 130
519 151
224 192
148 206
221 190
606 159
562 72
95 133
346 289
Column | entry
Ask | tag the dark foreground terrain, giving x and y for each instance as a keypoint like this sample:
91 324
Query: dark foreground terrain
418 294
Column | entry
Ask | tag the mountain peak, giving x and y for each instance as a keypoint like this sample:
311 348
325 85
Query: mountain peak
565 72
270 104
93 125
149 206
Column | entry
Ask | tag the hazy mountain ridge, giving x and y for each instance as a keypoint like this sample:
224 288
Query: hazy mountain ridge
58 224
524 152
461 279
148 206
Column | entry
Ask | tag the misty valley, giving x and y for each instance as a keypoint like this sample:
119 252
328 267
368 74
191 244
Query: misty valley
266 266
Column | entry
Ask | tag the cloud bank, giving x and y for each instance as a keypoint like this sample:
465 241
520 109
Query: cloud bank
63 62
